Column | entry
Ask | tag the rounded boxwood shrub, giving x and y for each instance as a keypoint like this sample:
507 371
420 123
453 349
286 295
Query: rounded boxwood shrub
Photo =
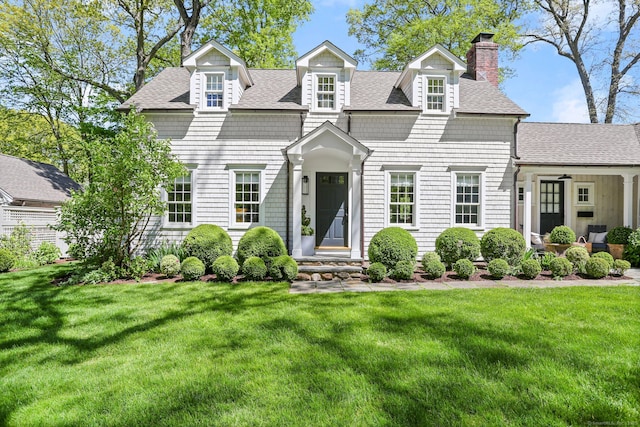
621 266
597 268
392 244
605 256
464 268
578 257
560 267
7 260
619 235
254 268
498 268
262 242
170 265
192 268
376 272
562 235
530 268
284 267
225 268
503 243
403 270
432 266
207 242
457 243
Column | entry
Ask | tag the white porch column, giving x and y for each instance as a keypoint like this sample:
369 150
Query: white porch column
355 215
296 251
527 214
627 212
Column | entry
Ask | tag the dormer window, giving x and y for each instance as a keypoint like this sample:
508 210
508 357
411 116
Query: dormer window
214 90
326 92
435 95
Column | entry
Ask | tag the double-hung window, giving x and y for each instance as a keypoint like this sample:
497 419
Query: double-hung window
246 197
467 209
214 90
435 92
326 92
180 201
402 196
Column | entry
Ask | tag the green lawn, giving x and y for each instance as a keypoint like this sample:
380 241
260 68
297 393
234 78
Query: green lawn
211 354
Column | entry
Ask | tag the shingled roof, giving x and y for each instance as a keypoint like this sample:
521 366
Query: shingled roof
26 180
278 90
578 144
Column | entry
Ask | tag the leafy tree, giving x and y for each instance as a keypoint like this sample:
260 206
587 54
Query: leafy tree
259 31
396 31
109 219
605 49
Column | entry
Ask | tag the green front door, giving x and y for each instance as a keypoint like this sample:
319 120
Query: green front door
332 211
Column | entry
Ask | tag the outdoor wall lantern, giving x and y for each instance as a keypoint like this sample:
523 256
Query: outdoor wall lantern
305 185
564 176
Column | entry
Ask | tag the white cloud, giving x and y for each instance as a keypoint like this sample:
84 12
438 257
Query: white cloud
569 104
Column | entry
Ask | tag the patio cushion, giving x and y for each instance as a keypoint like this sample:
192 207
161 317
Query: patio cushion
597 237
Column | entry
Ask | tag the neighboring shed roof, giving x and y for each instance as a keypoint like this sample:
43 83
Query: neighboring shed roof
578 144
278 90
34 181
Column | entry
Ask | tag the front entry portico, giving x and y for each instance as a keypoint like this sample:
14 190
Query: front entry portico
331 162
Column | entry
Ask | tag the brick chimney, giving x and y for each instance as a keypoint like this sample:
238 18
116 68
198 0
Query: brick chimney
482 59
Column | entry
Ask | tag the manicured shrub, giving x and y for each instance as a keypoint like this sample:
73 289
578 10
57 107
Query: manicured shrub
207 242
530 268
578 257
7 260
632 250
284 267
391 245
403 270
155 255
225 268
545 261
605 256
47 253
597 268
170 265
457 243
254 268
562 235
503 243
619 235
432 266
464 268
498 268
560 267
192 268
262 242
376 272
620 266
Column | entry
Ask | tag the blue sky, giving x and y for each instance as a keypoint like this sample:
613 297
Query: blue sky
545 84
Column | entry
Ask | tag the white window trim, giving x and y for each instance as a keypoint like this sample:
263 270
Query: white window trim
425 87
192 169
415 171
314 100
481 199
233 170
204 91
591 186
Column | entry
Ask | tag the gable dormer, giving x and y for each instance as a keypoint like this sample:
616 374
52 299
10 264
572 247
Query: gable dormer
431 81
218 77
324 75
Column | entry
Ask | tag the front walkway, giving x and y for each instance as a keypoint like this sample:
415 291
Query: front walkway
332 286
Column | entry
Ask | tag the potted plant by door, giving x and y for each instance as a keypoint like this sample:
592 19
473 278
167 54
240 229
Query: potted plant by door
617 238
561 238
308 240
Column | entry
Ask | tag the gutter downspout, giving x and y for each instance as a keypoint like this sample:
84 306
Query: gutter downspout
289 249
515 175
